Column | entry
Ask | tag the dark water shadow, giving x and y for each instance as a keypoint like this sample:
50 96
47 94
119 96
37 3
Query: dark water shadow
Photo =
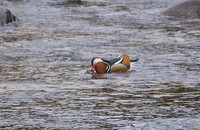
77 3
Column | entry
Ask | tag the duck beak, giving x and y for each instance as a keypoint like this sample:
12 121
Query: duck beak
91 70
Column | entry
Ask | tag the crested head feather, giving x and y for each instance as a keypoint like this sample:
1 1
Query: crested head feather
96 60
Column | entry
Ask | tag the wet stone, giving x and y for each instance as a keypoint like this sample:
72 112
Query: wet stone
188 9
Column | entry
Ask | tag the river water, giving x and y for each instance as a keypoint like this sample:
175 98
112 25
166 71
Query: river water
43 59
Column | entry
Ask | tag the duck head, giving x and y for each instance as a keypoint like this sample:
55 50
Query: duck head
98 65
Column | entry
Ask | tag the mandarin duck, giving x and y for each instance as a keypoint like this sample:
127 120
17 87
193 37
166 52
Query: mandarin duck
102 66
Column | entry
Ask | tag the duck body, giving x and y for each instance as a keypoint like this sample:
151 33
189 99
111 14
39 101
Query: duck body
102 66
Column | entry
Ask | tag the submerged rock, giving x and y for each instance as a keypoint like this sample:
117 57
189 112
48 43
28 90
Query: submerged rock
6 16
75 0
189 9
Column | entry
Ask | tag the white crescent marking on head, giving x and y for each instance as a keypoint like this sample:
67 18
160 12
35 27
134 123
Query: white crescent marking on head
97 60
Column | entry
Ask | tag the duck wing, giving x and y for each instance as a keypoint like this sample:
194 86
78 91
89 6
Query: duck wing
115 61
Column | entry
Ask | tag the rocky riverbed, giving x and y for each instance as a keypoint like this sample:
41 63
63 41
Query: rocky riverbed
43 58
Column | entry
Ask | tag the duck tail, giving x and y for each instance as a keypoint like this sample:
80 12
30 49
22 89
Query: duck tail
134 60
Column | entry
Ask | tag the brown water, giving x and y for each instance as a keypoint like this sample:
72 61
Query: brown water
43 59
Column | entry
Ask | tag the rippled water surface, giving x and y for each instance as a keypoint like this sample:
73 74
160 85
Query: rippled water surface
43 59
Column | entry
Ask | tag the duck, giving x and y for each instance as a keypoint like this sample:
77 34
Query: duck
102 66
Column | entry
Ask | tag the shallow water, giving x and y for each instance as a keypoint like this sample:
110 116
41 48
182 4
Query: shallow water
45 55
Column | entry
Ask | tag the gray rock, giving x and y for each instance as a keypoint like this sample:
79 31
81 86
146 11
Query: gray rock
189 9
6 16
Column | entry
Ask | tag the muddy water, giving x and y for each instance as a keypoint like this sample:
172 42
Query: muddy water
44 57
